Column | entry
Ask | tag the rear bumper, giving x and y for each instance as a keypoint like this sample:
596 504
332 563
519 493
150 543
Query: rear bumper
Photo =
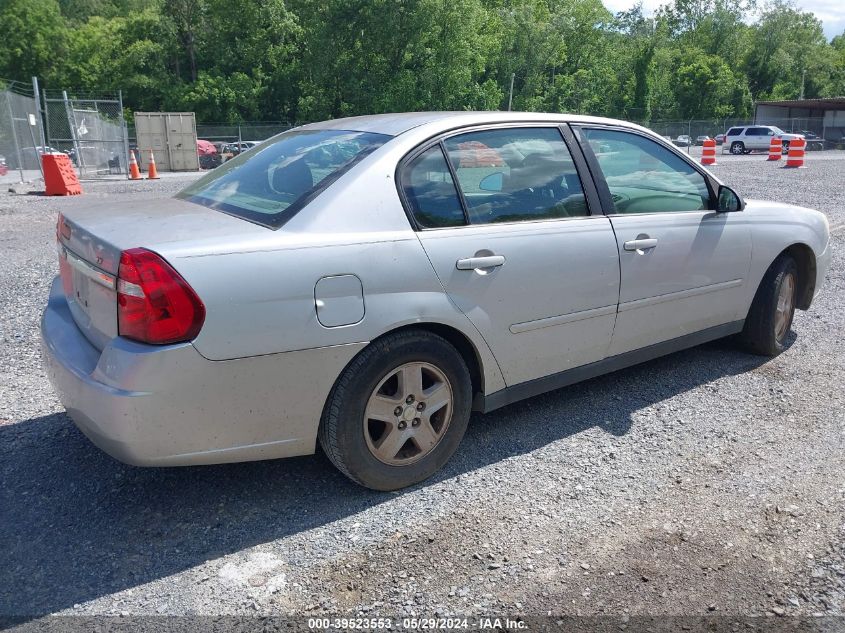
169 406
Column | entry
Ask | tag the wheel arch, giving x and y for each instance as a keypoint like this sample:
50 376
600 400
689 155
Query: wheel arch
460 342
805 259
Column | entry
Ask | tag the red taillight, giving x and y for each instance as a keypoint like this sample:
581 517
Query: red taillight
154 304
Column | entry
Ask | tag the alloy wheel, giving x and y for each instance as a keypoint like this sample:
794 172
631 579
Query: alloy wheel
785 306
408 413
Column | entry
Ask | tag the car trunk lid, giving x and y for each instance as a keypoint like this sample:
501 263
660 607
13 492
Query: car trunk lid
91 240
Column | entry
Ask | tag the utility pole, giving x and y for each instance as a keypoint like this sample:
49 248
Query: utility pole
803 74
510 96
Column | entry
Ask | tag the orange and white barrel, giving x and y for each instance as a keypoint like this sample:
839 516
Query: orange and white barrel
708 152
795 156
775 148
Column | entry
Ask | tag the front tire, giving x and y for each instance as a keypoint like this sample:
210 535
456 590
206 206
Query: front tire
398 412
770 317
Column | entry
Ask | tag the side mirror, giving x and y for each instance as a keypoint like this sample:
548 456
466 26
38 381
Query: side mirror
729 200
492 182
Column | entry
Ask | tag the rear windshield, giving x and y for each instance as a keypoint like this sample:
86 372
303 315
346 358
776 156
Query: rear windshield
271 182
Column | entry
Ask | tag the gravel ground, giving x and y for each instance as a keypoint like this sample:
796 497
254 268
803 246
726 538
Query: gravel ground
708 482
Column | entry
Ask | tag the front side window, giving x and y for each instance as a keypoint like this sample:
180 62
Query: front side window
645 177
269 183
516 174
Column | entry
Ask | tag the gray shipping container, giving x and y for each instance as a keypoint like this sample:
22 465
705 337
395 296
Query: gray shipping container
173 138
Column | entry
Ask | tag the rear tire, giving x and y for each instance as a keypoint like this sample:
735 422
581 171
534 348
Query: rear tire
385 424
770 317
737 148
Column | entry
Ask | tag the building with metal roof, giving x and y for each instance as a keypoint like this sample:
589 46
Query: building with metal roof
824 117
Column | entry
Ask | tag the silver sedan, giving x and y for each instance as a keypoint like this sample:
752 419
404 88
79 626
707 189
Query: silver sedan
368 282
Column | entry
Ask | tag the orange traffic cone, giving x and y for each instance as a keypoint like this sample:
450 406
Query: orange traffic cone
795 155
708 152
775 149
134 172
152 172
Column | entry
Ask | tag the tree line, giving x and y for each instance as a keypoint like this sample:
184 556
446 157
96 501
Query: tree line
302 60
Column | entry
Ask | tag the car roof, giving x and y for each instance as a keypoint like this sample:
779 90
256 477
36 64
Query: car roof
396 123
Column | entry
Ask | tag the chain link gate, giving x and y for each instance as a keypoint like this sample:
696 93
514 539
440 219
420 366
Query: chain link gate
21 131
91 129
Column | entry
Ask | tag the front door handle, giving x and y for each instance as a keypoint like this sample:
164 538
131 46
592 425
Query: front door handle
474 263
640 244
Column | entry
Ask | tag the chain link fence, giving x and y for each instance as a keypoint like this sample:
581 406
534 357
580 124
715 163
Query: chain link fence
216 132
226 133
90 129
21 131
693 129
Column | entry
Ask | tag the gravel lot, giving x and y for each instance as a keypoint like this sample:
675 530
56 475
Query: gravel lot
709 482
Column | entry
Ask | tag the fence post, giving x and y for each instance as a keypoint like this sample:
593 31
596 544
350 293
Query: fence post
39 112
15 134
80 162
34 148
46 111
125 132
689 135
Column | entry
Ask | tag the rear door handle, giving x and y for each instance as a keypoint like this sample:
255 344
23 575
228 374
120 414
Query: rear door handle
640 244
473 263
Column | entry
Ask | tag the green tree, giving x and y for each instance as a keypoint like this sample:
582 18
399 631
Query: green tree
121 53
788 49
32 38
232 60
707 88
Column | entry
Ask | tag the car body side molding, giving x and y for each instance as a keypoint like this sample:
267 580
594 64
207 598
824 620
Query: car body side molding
531 388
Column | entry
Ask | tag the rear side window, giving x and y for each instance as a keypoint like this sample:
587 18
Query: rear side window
269 183
735 131
516 174
644 176
431 192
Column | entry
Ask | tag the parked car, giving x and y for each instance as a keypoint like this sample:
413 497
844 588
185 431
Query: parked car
683 141
230 150
699 140
209 158
210 161
233 149
814 141
745 139
719 138
4 168
372 303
